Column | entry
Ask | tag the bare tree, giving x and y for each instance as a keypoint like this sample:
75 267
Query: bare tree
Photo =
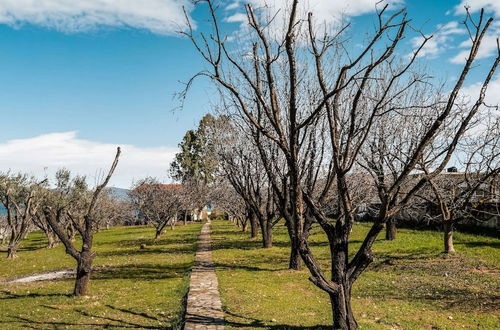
290 93
159 204
471 195
242 166
227 200
81 214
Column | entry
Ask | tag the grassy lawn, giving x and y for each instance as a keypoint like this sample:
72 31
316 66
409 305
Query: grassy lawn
131 287
411 285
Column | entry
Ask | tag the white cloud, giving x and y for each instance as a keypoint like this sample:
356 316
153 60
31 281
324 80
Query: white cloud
489 44
328 10
45 154
492 97
477 5
440 40
327 13
488 114
237 18
157 16
324 11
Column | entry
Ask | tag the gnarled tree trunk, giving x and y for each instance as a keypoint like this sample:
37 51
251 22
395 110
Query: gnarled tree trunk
52 239
83 270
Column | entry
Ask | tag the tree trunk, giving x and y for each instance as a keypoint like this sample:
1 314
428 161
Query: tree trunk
52 239
295 261
13 245
71 232
157 234
253 225
243 226
267 234
83 271
343 318
185 217
448 237
12 251
390 230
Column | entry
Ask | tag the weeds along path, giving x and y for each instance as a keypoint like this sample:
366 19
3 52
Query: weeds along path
204 308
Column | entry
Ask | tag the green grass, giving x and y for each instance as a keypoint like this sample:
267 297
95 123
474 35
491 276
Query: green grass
131 287
411 285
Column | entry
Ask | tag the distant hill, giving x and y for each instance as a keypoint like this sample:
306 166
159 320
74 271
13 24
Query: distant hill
118 193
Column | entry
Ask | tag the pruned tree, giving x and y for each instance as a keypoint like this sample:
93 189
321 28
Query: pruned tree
41 223
159 204
469 196
290 84
228 201
69 204
112 211
21 196
241 165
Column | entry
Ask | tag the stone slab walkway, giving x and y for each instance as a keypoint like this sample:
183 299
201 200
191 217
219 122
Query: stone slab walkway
204 308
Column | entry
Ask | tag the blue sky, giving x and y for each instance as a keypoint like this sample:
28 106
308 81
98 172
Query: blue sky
91 78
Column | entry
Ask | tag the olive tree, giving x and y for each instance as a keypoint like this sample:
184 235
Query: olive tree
21 196
72 202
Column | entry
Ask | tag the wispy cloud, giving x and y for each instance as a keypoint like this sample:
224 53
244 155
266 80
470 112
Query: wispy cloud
477 5
157 16
45 154
489 44
327 14
441 40
492 97
328 10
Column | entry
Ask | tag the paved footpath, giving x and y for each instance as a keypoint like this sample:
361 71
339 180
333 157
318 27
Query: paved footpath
204 309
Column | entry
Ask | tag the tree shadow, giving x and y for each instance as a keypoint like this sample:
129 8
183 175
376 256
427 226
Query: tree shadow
110 322
165 239
149 250
10 295
248 268
256 323
142 271
495 244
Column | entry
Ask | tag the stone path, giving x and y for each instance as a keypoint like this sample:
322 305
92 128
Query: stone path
204 308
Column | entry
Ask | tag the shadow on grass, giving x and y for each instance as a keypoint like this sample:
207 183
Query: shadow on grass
222 266
495 244
11 295
256 323
142 271
108 321
186 238
191 248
